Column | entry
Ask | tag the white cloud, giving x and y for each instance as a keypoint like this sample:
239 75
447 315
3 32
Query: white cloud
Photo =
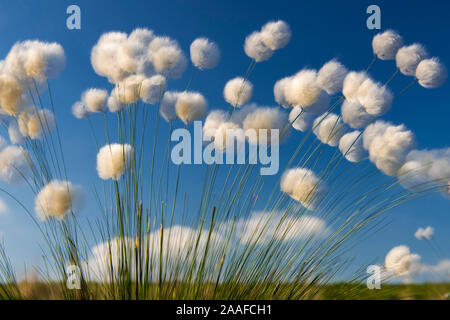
262 227
424 233
177 246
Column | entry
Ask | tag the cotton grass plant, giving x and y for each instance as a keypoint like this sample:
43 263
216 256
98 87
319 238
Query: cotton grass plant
241 239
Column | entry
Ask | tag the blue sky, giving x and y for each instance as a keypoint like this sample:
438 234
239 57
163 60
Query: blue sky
321 31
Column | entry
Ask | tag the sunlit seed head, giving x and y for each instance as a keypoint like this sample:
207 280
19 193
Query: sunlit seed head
238 91
113 160
331 76
354 114
351 146
276 34
304 186
409 57
80 111
303 90
279 91
205 54
40 123
167 57
255 47
374 97
400 261
268 119
431 73
12 100
329 129
57 199
386 44
190 106
167 105
389 146
104 56
152 89
351 84
300 119
95 99
129 90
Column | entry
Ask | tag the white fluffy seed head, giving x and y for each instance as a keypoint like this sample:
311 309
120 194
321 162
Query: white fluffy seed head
104 56
160 42
378 100
374 97
301 120
126 59
320 105
240 114
45 60
113 160
132 54
303 90
223 133
238 91
57 199
167 57
95 99
214 119
35 60
372 130
34 124
22 121
113 103
141 35
388 146
14 164
329 129
364 89
385 45
41 123
128 91
436 162
303 186
400 261
205 54
354 114
276 34
352 82
12 98
255 48
190 106
80 111
413 174
117 56
423 167
167 105
408 58
351 146
431 73
268 119
279 90
152 89
331 76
